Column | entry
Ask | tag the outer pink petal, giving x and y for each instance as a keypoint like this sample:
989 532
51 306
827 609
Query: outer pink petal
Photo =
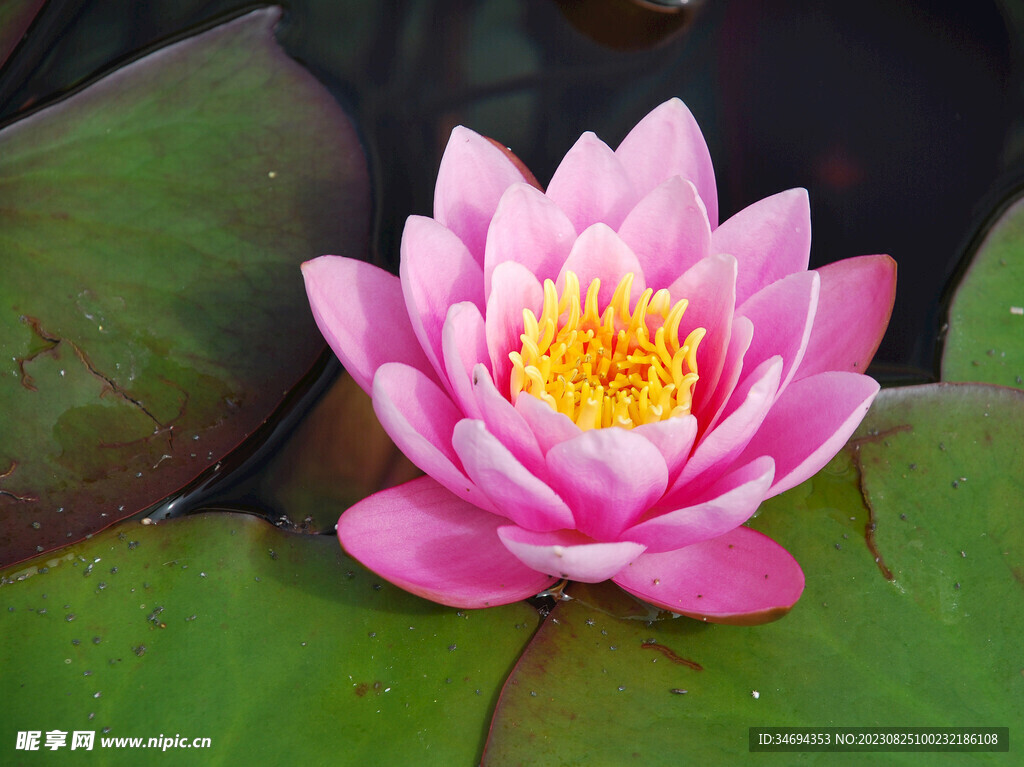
770 239
360 310
464 346
600 253
420 418
437 271
742 577
810 422
505 423
514 288
673 437
513 490
710 287
717 449
548 425
853 311
590 185
725 505
668 230
474 173
569 554
782 314
531 229
609 477
425 540
666 143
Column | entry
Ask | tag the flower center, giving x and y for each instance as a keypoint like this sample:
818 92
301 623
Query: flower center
613 368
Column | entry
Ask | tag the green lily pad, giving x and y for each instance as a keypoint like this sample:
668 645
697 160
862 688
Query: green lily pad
15 18
152 313
276 646
985 338
911 545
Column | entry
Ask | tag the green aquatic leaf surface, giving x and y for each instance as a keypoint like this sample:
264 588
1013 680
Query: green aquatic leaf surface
985 338
276 646
152 312
927 635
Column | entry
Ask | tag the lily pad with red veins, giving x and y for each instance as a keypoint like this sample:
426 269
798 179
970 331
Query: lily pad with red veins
152 313
911 615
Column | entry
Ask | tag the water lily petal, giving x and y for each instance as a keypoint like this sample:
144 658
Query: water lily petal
418 415
668 230
674 438
782 314
711 408
514 288
722 506
853 311
599 253
569 554
742 577
710 287
513 490
666 143
474 173
505 422
548 425
437 546
436 272
717 449
360 310
609 477
463 347
770 239
591 185
528 228
810 422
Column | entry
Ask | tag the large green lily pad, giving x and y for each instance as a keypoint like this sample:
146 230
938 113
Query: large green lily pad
152 313
910 541
276 646
985 338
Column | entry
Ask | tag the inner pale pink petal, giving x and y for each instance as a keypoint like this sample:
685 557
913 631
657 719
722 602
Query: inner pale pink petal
420 419
724 505
609 477
599 253
666 143
809 424
590 185
569 554
513 490
506 423
710 287
782 314
711 408
668 230
742 577
436 271
531 229
717 449
853 312
360 310
474 173
426 541
463 347
548 425
514 288
674 438
770 239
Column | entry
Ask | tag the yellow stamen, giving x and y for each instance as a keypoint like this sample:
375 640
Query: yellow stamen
616 367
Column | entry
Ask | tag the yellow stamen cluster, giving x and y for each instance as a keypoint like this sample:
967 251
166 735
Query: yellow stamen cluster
613 368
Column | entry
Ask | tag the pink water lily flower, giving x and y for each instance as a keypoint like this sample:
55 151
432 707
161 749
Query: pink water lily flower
599 381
